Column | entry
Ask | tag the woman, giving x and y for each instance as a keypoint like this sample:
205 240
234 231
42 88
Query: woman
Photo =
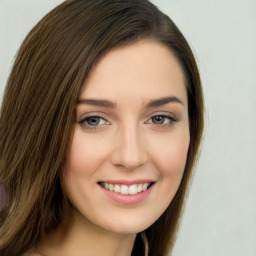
100 128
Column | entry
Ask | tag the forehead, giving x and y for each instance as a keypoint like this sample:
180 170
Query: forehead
139 70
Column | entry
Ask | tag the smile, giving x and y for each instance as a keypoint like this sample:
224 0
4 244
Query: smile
123 189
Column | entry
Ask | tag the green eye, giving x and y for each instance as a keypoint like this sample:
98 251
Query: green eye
93 121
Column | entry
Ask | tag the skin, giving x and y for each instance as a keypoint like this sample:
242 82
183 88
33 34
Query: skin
132 140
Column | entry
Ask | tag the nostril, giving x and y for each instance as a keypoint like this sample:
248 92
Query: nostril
129 152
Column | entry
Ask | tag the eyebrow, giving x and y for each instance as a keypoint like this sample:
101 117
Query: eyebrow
150 104
95 102
163 101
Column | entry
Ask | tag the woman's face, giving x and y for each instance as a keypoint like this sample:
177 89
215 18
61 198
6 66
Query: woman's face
131 138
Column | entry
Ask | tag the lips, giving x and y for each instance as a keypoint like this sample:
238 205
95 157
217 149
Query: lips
127 192
126 189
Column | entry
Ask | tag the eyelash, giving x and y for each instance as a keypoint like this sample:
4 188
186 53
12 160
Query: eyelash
84 122
168 121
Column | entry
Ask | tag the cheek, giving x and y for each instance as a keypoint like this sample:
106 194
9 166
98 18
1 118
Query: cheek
85 155
83 160
170 155
174 159
170 159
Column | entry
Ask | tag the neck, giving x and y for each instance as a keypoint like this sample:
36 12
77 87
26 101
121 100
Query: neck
77 236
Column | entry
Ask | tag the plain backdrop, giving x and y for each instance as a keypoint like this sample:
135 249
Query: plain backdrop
220 216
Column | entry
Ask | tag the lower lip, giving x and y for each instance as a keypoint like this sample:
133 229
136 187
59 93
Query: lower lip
128 199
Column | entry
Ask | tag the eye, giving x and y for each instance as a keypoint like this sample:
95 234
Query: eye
93 121
162 120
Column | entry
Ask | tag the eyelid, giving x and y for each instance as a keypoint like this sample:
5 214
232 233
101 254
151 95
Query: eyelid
82 121
173 119
86 114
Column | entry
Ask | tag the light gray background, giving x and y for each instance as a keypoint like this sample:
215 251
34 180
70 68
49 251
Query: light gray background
220 217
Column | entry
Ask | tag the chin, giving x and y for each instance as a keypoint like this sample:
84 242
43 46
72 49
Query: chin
130 225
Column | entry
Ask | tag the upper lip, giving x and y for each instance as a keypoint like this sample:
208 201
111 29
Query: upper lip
127 182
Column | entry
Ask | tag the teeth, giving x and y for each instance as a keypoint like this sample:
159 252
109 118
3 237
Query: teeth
126 189
145 186
117 188
133 190
110 187
139 189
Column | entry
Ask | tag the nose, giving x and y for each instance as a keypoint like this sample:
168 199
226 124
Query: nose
129 149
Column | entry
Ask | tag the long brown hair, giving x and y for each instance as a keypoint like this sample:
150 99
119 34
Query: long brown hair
38 112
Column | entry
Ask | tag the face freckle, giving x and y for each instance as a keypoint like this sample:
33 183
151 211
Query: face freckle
132 129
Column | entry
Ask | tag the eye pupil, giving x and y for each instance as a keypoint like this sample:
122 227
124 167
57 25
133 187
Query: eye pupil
93 120
158 119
